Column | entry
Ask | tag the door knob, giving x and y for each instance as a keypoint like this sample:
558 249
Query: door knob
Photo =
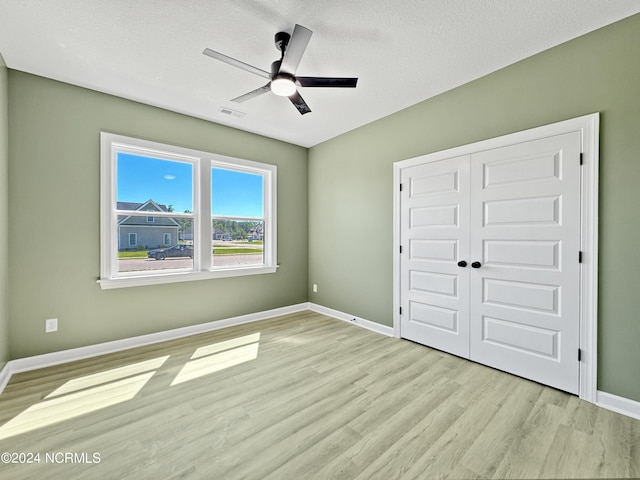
462 263
476 265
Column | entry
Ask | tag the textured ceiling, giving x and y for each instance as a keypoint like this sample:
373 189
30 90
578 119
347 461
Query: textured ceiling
403 52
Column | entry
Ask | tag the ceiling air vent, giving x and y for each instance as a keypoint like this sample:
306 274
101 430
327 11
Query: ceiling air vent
232 113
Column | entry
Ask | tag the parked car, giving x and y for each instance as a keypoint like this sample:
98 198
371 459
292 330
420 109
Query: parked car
175 251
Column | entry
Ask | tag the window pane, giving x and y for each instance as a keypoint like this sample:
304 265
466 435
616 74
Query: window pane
237 242
236 194
141 180
160 245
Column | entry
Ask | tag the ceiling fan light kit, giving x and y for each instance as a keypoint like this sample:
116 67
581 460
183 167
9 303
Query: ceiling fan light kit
282 79
283 86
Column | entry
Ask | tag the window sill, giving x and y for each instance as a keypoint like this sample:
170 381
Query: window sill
176 277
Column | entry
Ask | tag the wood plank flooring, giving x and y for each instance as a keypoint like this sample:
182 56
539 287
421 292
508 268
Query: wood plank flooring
302 396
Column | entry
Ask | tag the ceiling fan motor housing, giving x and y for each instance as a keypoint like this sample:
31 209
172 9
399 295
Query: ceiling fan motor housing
282 40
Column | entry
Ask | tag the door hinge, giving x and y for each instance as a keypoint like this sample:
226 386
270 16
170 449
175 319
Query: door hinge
581 158
400 187
580 256
400 248
400 310
579 355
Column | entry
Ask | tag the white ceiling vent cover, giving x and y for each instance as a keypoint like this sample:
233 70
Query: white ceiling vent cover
231 112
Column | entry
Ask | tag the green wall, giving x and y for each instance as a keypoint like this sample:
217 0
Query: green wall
54 209
351 191
4 218
335 200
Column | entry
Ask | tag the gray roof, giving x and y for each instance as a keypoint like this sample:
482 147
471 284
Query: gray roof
138 206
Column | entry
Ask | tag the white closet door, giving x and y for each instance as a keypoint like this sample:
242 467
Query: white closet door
435 237
525 234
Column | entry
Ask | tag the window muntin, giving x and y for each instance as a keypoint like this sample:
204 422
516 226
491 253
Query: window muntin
190 190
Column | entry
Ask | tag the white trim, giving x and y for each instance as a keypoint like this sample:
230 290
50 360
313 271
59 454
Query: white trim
71 355
617 404
397 168
368 324
588 126
182 276
5 376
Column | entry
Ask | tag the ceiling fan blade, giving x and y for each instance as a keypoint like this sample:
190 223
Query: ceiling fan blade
236 63
327 82
252 93
299 103
297 45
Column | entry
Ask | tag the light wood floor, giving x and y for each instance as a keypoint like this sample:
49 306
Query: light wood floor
322 399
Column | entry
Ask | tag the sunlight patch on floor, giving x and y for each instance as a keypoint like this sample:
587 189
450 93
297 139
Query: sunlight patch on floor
219 356
226 345
73 405
88 381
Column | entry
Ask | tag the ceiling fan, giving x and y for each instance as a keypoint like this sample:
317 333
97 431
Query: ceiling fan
282 78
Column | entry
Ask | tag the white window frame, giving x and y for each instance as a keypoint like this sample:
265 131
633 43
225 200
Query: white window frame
164 237
135 241
203 162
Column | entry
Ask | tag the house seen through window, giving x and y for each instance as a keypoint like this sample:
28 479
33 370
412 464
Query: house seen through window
173 211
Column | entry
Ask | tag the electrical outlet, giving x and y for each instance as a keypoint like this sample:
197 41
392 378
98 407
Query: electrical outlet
315 288
50 325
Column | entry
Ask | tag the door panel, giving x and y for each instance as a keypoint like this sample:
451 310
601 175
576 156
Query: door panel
435 229
525 232
522 211
521 295
522 253
520 338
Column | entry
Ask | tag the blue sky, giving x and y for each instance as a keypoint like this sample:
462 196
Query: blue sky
170 183
236 193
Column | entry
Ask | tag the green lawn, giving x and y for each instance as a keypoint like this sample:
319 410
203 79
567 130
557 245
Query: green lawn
236 251
139 254
218 251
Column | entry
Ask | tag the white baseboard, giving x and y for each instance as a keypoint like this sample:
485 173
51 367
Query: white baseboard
71 355
5 376
368 324
622 405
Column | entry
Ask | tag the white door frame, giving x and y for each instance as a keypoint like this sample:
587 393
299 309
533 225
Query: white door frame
588 126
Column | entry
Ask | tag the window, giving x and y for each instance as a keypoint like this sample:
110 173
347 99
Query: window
237 213
170 214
